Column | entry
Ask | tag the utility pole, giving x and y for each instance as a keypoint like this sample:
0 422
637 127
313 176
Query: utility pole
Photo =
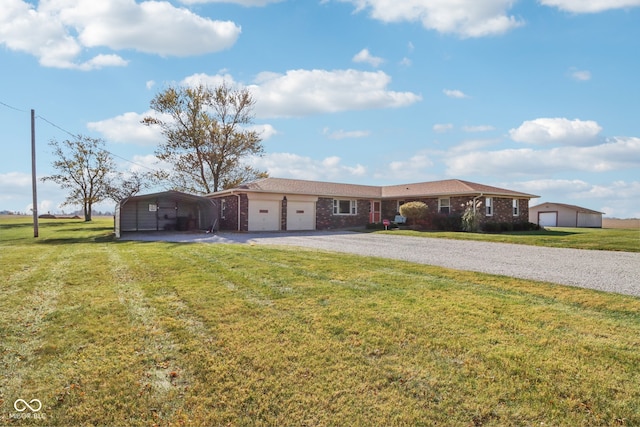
33 174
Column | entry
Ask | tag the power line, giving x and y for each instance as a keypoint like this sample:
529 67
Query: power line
75 135
13 108
114 155
56 126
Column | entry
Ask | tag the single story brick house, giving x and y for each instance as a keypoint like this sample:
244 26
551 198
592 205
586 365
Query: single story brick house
278 204
564 215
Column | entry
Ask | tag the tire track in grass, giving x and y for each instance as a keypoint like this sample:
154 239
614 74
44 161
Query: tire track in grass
178 341
167 377
240 282
157 342
22 329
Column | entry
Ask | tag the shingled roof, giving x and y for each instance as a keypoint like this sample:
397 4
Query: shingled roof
573 207
449 187
316 188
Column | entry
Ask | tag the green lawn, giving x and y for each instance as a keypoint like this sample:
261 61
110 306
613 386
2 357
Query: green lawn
140 334
608 239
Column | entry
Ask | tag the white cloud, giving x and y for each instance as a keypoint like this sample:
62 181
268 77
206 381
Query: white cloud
557 131
13 179
145 163
365 56
246 3
466 18
307 92
478 128
406 62
288 165
590 6
454 93
101 61
542 186
14 186
471 145
613 155
210 80
265 131
580 75
442 127
150 84
416 168
58 31
342 134
126 128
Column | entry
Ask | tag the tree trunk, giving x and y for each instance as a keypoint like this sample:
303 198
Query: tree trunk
87 212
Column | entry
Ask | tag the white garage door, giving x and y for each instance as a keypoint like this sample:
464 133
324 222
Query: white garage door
301 215
548 219
589 220
264 215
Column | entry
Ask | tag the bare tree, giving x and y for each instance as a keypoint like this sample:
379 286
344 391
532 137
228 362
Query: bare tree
85 168
206 136
123 185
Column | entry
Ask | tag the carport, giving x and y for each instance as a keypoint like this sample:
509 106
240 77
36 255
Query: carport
166 211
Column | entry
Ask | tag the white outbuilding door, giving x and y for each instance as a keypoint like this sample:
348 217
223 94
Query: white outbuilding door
589 220
301 214
548 219
264 214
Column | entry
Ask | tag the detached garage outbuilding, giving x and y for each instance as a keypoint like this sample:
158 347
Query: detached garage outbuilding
563 215
166 211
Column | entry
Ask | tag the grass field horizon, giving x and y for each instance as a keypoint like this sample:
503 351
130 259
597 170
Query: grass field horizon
104 332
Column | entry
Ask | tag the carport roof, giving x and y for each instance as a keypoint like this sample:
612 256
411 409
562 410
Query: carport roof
177 195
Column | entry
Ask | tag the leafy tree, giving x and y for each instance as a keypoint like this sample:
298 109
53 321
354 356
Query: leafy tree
206 136
414 211
85 168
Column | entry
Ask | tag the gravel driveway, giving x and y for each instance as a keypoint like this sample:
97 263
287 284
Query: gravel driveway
603 270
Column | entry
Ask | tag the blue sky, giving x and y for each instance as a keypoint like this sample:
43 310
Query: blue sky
539 96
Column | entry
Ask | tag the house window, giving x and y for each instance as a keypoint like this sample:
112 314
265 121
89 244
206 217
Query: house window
516 207
443 206
223 208
345 207
489 204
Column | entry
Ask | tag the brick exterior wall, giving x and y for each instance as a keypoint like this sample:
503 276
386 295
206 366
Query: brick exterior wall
503 211
456 205
283 214
326 220
230 220
502 208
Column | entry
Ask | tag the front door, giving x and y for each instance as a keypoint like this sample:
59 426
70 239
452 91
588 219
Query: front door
374 212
